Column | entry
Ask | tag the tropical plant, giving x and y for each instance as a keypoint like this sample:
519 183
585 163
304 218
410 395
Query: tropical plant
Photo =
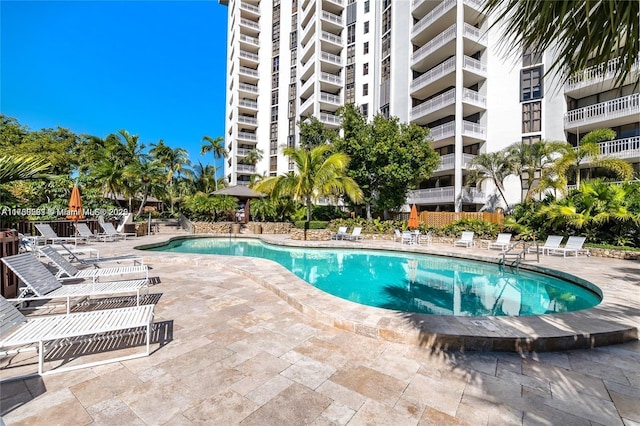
201 206
582 32
22 167
492 167
313 133
215 146
148 179
317 175
570 160
531 162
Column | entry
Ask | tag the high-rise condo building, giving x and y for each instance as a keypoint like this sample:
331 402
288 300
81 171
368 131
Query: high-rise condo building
435 63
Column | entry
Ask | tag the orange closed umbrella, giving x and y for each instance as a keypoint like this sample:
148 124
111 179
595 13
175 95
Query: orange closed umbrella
413 218
75 205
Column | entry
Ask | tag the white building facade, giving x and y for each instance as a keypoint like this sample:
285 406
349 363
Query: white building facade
431 62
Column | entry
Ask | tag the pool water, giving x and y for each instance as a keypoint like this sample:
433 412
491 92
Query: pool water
410 282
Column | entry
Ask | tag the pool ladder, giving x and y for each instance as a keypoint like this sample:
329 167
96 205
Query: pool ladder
517 252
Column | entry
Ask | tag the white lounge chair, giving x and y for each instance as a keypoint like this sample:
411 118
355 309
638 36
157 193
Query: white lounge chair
18 331
48 234
552 242
111 231
408 237
66 271
501 242
465 240
85 232
342 231
573 245
73 256
39 283
355 234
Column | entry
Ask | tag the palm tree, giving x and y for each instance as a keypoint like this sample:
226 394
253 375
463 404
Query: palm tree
216 146
493 167
532 162
317 175
588 149
583 32
22 167
175 161
148 177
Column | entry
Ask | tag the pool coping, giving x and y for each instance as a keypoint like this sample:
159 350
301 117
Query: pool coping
597 326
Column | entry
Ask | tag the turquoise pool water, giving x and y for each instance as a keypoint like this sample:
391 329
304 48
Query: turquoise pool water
410 282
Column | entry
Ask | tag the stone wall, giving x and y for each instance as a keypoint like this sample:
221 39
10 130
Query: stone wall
615 254
225 227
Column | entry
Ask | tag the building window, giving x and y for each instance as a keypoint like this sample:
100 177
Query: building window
366 27
365 109
276 64
365 89
366 6
351 54
350 93
531 117
530 57
275 78
365 48
528 140
274 131
274 97
531 84
351 34
274 113
365 69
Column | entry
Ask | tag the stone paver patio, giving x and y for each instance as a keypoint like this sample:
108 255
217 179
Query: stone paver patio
240 354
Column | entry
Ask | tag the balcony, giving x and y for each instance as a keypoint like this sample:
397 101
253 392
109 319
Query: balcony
447 162
248 56
242 152
419 57
332 38
331 58
330 119
254 10
333 6
332 18
474 71
474 132
249 88
418 33
478 36
434 109
598 78
252 41
252 26
330 98
444 195
333 79
246 119
306 108
473 102
245 168
246 136
248 103
248 71
422 84
611 113
624 149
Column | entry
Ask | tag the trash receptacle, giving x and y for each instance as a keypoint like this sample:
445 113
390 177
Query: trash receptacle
235 228
9 244
257 229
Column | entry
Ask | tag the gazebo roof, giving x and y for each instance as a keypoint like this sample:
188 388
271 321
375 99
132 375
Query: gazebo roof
240 191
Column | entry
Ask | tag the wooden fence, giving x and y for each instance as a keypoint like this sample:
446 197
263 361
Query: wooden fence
439 219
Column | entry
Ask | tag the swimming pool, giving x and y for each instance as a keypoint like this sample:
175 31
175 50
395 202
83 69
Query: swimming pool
410 282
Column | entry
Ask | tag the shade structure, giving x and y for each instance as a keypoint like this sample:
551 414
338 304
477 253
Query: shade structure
242 193
75 205
413 217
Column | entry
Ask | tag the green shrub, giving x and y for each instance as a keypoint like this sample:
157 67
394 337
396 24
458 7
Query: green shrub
314 224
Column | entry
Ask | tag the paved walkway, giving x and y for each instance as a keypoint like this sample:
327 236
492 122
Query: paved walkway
239 354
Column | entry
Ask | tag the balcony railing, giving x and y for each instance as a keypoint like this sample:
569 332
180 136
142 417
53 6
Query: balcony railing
249 7
595 74
247 136
615 108
330 98
433 16
435 43
249 23
445 194
475 34
620 148
248 103
434 74
247 120
447 161
448 130
250 40
331 78
472 97
324 35
248 87
248 71
330 118
247 168
244 151
249 55
332 17
473 130
443 131
434 104
330 57
474 65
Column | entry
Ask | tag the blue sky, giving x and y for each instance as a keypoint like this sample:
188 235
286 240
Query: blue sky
154 68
